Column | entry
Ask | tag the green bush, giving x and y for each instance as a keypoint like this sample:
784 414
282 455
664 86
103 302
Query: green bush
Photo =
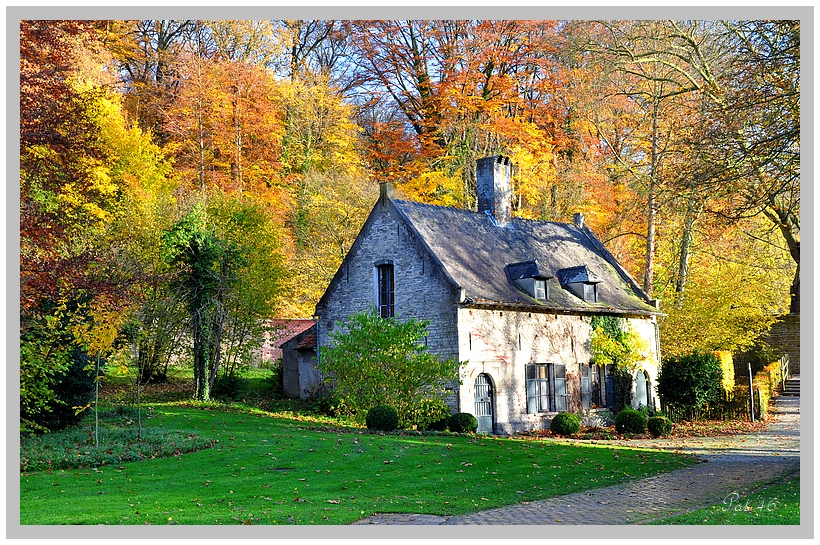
227 387
330 405
424 412
690 381
274 382
441 424
630 421
565 424
73 388
382 418
659 426
463 423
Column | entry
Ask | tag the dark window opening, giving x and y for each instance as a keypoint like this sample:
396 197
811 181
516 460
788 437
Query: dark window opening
386 302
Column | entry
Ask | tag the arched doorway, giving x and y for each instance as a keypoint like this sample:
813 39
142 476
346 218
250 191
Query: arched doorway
484 403
643 389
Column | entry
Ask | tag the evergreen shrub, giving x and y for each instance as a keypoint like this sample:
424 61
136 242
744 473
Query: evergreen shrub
382 418
630 421
690 381
463 423
565 424
659 426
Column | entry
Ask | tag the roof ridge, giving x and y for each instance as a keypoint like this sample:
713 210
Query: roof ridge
476 212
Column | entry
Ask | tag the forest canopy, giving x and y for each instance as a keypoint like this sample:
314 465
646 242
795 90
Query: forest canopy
679 141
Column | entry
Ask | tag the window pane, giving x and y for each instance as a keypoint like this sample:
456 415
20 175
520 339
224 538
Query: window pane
540 289
532 394
560 387
386 291
586 390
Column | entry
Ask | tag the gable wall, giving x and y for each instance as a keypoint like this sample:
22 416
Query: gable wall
501 343
421 290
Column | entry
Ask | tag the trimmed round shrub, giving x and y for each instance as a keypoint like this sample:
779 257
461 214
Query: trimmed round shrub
463 423
630 421
382 418
425 412
659 426
565 424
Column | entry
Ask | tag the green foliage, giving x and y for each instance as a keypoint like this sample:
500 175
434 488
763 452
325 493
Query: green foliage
623 389
227 387
439 425
383 362
273 381
75 448
612 342
630 421
427 413
330 405
382 418
647 411
227 267
690 381
565 424
659 426
463 423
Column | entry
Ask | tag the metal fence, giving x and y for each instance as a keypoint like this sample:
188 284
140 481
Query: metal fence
730 405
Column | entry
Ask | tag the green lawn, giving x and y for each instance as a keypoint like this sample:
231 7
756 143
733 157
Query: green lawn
273 470
777 504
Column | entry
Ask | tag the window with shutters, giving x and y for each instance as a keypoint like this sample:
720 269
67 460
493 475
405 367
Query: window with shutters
546 387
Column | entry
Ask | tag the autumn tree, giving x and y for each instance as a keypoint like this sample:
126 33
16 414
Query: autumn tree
461 90
78 160
147 52
226 269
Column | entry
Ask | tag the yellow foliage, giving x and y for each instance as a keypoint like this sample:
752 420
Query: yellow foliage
728 367
436 187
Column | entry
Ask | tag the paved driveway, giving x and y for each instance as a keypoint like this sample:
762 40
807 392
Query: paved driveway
730 464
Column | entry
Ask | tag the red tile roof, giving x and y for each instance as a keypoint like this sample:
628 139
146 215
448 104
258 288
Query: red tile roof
282 330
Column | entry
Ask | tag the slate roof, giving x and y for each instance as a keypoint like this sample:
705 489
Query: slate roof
525 269
580 273
473 253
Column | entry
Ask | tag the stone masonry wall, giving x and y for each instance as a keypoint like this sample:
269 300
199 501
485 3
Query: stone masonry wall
421 290
785 337
501 343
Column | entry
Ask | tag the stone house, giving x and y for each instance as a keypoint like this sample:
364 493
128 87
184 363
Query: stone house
300 378
510 298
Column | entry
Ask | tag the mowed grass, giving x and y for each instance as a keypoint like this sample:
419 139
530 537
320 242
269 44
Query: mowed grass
266 469
774 505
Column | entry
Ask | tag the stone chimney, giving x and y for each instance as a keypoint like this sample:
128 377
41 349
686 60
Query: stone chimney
385 192
493 175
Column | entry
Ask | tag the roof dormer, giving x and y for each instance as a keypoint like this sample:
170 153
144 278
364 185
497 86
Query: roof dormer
582 282
527 277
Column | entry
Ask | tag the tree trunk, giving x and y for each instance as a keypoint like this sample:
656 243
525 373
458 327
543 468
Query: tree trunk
652 206
693 211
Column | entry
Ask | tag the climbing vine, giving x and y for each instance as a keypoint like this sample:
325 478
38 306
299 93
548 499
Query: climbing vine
613 342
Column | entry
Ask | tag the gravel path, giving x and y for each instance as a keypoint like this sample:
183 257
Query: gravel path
730 464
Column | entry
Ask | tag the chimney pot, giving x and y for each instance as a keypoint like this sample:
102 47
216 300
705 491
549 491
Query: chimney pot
579 220
493 187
